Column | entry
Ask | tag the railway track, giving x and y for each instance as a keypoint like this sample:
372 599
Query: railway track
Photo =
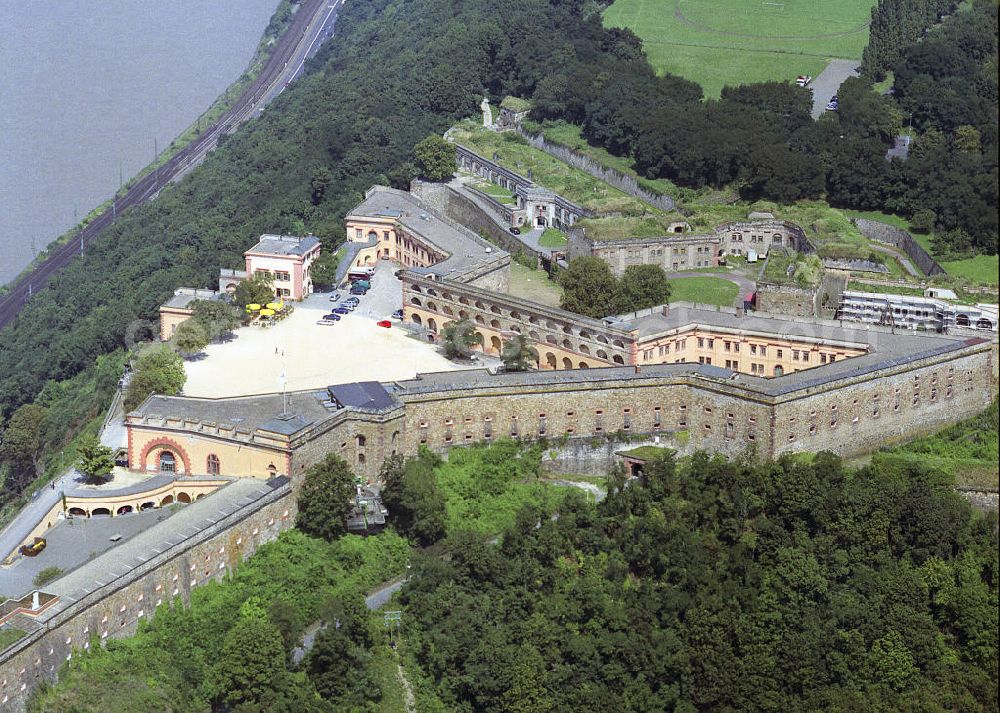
298 39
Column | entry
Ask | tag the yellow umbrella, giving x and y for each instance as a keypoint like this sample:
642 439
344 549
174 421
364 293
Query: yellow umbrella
266 312
253 306
276 306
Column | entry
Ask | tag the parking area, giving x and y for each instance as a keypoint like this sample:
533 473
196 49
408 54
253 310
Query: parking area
312 355
70 543
827 84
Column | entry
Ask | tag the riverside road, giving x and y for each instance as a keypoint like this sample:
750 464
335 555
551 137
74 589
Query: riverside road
311 25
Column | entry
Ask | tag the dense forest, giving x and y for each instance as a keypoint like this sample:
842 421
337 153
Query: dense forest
761 139
719 585
710 584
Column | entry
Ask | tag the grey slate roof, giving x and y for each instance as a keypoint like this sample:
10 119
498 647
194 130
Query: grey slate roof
284 245
464 248
245 413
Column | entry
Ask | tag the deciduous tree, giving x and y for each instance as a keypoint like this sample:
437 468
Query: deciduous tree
326 498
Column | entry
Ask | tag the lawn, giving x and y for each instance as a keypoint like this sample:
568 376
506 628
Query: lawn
703 290
552 238
513 151
982 268
9 636
533 285
719 42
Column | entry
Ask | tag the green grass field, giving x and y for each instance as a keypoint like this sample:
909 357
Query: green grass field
514 153
552 238
703 290
720 42
533 285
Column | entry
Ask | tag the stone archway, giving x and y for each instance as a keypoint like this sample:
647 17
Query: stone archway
98 512
183 498
125 510
78 512
567 363
168 500
165 444
550 361
496 346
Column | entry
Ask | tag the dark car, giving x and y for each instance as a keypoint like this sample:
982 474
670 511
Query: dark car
515 231
341 310
332 317
358 290
398 314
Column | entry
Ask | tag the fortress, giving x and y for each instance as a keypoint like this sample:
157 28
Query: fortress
684 376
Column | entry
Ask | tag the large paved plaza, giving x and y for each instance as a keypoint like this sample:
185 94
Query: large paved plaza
313 355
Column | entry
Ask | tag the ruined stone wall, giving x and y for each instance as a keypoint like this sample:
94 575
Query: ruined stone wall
786 299
115 610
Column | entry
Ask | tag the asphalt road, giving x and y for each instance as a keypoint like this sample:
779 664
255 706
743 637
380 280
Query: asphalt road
827 84
311 24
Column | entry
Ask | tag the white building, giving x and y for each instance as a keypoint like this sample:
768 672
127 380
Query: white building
915 312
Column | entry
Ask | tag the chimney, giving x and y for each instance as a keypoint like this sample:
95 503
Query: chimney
35 604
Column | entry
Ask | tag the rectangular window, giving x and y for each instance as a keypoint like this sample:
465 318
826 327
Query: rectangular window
488 427
541 424
701 342
730 429
513 426
736 346
711 344
753 348
727 346
656 417
627 419
423 433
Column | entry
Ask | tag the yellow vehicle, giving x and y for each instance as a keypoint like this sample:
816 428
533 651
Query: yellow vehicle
34 548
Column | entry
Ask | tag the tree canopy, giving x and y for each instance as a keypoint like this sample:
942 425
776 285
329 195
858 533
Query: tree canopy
159 371
326 498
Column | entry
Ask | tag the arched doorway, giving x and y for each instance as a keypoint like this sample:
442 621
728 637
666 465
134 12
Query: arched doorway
167 500
778 371
100 512
148 505
583 365
432 325
962 320
124 510
984 323
78 512
550 360
166 463
415 318
567 363
183 498
496 346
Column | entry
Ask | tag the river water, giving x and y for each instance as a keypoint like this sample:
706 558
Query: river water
88 89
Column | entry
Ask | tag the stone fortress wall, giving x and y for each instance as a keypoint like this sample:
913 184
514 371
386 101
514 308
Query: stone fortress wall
115 609
891 235
679 250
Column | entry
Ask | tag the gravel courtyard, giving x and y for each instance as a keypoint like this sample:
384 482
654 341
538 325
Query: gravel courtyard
313 355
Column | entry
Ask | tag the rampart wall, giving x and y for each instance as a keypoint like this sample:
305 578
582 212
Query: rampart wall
891 235
114 610
612 177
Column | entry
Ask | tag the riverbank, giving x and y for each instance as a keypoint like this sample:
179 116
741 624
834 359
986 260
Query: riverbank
280 20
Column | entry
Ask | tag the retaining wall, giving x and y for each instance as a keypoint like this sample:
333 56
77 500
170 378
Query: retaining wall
115 609
891 235
611 176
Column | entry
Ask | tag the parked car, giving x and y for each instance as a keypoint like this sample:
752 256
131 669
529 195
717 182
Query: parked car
35 548
803 80
398 314
335 296
357 290
325 322
333 316
341 310
515 231
385 323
